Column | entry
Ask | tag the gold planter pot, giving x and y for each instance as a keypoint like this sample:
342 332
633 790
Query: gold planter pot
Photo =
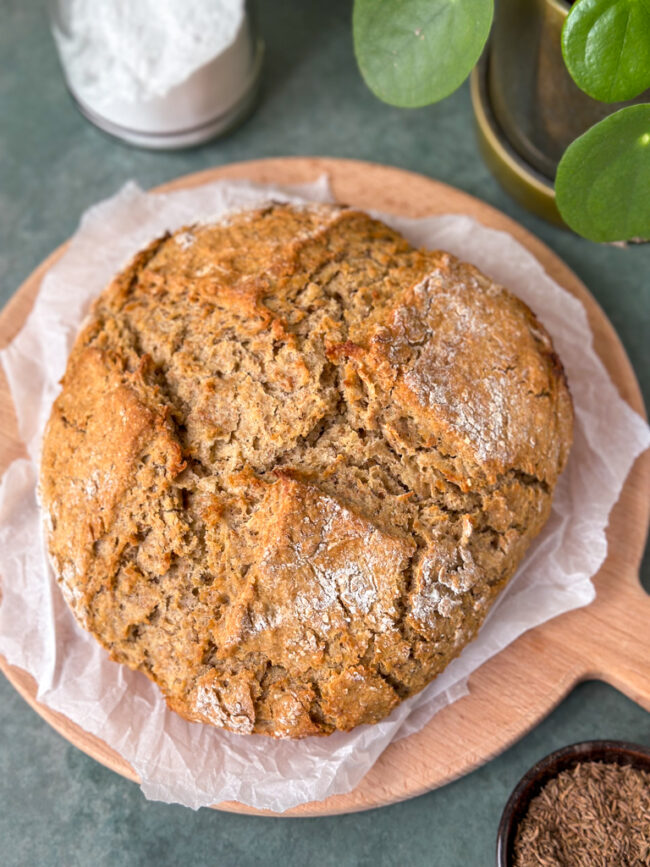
526 105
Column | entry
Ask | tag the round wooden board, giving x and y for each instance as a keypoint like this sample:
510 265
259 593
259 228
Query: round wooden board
512 692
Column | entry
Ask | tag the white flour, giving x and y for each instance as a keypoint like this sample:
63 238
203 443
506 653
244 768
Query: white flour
155 66
138 50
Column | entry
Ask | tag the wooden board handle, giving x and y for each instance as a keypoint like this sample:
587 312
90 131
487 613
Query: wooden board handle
617 642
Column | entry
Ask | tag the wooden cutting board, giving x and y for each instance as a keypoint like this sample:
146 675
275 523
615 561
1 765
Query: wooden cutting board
609 639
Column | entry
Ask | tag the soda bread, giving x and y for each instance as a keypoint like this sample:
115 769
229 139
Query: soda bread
293 463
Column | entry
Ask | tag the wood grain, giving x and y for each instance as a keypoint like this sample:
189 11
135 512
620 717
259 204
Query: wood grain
511 693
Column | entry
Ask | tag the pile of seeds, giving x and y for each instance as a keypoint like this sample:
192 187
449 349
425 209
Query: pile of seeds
593 815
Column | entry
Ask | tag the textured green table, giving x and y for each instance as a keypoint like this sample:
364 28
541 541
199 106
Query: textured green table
59 807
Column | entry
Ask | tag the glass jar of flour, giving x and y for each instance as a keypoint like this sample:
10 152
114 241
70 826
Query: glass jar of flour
159 73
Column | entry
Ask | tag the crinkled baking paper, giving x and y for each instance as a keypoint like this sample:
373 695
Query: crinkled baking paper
196 764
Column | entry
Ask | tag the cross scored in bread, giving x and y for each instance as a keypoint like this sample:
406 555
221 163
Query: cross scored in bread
293 463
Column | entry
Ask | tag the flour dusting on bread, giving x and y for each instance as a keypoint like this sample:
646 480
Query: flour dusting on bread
293 463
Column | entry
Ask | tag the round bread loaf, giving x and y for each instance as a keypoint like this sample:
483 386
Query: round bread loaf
294 461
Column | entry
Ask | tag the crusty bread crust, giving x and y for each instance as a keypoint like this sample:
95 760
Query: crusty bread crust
293 463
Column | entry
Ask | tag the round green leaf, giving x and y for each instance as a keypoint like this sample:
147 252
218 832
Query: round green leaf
415 52
606 47
602 185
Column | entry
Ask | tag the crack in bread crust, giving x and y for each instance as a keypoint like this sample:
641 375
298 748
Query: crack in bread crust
293 463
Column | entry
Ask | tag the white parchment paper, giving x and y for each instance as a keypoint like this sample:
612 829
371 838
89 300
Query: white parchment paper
197 765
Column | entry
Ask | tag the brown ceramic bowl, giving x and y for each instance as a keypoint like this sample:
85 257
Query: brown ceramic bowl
611 752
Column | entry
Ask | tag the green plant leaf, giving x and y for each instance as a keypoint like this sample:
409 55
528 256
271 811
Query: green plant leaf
606 47
415 52
602 185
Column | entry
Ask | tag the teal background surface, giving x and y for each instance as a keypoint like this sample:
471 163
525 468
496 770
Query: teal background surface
57 806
